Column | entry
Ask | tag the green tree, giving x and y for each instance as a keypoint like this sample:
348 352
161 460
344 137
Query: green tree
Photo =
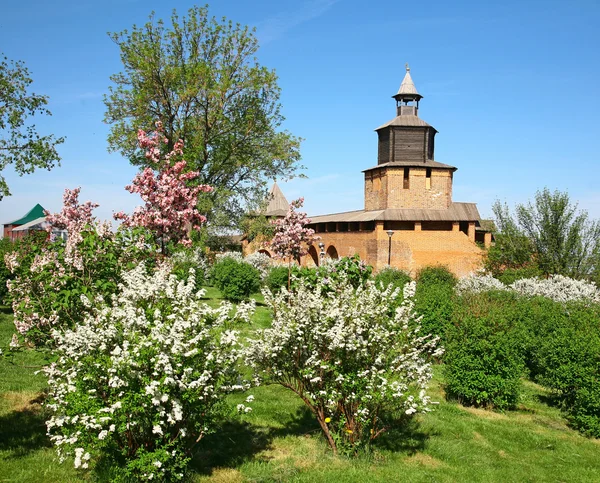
564 239
20 143
200 79
552 232
512 249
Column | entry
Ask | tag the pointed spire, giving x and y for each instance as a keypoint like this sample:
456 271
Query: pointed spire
407 86
278 205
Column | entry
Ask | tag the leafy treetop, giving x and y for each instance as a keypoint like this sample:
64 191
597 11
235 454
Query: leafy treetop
201 80
20 143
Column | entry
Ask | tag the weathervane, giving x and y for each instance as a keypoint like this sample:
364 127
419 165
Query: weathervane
407 67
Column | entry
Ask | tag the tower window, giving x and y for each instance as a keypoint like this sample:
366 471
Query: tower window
428 179
406 184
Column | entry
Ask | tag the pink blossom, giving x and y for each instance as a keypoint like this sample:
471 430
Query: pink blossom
74 218
292 238
170 203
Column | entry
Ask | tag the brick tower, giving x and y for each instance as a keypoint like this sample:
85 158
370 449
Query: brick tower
409 220
406 175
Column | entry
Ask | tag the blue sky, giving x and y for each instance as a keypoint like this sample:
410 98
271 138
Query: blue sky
511 86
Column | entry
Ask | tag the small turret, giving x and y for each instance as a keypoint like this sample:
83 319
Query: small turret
407 94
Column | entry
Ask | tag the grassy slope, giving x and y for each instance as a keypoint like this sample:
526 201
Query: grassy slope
279 441
25 452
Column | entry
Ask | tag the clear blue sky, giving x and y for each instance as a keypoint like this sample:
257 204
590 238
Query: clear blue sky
512 87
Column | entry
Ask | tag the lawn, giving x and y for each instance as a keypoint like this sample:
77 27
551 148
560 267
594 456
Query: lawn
279 441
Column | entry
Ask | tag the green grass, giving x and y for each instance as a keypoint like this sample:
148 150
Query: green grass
280 442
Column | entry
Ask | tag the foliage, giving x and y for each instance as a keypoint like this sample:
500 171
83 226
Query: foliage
236 280
391 275
434 299
483 360
446 444
509 276
141 380
291 238
276 279
50 277
565 241
7 246
257 227
436 275
355 270
357 368
560 238
185 258
20 143
556 287
483 282
200 78
566 357
327 276
261 262
512 249
170 209
237 256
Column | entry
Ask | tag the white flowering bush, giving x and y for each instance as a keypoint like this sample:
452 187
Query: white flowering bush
261 261
357 364
479 283
558 288
141 380
186 258
237 256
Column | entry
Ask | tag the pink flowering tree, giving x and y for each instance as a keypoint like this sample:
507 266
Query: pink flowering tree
170 210
54 282
74 218
292 238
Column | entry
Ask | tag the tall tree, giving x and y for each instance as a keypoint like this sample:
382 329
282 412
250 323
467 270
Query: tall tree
200 79
564 239
20 143
550 232
512 248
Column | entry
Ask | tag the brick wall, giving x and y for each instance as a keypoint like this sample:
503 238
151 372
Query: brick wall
411 250
384 188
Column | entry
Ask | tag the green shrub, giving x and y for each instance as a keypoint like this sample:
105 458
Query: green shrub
185 259
391 275
356 271
51 284
236 280
434 299
511 275
435 305
276 278
585 413
483 361
567 359
6 246
436 275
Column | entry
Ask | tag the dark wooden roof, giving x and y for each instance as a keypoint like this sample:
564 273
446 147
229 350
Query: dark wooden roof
413 164
407 121
455 212
486 225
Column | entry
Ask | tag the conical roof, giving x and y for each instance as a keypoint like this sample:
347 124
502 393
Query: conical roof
407 88
278 205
